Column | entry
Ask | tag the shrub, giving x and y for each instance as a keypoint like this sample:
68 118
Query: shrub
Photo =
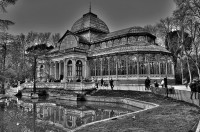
43 93
19 94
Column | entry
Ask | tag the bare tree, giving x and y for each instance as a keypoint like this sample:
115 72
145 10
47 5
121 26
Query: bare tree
55 38
4 26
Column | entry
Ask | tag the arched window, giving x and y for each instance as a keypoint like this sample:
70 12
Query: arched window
153 64
122 65
69 68
92 67
79 68
112 66
142 65
62 67
52 69
41 70
132 65
98 67
105 66
169 66
162 65
162 68
69 121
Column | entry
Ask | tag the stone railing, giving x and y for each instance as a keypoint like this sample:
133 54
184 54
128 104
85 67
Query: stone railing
66 86
43 85
79 85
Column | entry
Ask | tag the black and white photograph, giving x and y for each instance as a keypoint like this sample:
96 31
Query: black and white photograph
99 65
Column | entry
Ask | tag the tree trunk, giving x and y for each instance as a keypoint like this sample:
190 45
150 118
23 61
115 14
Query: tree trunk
4 67
34 116
196 64
181 71
34 75
190 75
23 62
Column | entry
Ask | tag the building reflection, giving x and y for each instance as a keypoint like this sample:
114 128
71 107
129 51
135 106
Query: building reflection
67 117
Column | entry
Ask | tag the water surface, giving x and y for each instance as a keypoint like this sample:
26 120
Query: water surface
54 115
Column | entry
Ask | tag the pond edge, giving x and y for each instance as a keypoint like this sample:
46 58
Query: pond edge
128 101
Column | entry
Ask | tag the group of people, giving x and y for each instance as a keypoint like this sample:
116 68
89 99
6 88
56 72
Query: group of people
103 83
148 83
195 88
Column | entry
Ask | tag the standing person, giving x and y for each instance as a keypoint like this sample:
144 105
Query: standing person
162 83
185 83
198 88
156 85
111 84
165 85
193 89
147 83
96 83
102 82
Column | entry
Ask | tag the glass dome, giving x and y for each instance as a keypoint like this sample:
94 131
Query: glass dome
90 21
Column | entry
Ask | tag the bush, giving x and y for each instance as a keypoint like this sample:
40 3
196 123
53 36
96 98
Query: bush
43 93
19 94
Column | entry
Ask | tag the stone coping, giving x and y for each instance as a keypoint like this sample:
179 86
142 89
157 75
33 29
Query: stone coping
198 127
137 103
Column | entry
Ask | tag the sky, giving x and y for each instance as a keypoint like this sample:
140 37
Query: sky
58 16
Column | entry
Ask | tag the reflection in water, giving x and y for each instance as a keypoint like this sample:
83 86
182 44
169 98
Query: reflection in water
55 116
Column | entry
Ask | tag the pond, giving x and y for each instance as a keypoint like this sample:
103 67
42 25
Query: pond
54 115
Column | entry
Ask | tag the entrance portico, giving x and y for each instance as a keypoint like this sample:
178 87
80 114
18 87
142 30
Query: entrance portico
67 69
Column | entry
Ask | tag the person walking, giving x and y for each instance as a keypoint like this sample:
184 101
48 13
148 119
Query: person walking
147 83
193 87
102 82
111 84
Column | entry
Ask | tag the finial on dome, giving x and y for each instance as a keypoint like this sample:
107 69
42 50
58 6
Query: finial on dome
90 7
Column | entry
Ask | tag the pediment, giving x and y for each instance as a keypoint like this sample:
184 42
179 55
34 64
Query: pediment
69 40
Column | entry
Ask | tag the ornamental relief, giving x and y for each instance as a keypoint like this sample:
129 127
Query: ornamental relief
110 43
136 30
132 39
123 41
141 38
162 58
169 59
97 46
126 49
133 58
116 42
141 58
151 57
103 45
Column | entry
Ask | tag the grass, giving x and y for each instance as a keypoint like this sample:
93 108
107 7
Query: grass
170 116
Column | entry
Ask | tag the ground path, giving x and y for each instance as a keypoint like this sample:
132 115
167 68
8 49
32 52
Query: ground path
181 92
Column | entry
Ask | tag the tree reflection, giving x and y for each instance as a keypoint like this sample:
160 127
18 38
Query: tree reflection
44 116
